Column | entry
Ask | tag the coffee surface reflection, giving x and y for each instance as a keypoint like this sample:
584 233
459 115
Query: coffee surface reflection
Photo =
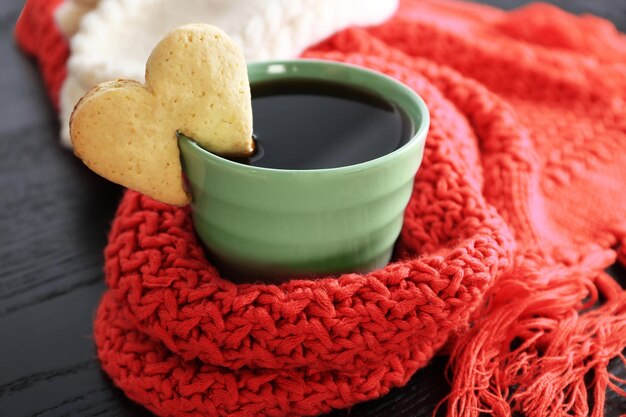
304 125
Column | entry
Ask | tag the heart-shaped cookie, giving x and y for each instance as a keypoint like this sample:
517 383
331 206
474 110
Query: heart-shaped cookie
196 84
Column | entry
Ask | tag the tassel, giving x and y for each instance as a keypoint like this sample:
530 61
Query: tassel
541 347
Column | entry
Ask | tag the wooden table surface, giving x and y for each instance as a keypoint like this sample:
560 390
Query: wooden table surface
54 216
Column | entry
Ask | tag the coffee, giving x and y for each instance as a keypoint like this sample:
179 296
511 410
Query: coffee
312 124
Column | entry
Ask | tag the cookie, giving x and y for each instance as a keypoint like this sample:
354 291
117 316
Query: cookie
196 84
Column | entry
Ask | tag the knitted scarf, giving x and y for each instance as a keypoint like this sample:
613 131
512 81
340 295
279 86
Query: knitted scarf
517 209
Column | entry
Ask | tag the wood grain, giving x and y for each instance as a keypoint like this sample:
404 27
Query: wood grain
53 222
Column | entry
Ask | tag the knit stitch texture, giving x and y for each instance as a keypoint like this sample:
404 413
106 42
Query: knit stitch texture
517 208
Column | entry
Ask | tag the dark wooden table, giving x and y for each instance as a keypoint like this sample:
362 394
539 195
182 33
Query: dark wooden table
54 215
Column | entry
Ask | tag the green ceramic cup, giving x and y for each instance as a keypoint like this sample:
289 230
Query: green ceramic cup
261 224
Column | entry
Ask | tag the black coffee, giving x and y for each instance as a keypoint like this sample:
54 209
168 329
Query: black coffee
316 124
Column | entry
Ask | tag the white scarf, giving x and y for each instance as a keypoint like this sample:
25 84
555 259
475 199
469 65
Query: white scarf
112 39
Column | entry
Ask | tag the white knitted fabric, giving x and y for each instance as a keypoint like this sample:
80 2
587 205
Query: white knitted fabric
69 14
112 39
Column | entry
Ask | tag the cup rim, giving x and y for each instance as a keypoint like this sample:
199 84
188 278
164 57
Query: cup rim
418 113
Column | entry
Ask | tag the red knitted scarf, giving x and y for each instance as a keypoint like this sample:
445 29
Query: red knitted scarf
518 207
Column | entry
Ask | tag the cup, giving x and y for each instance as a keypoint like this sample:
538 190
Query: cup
271 225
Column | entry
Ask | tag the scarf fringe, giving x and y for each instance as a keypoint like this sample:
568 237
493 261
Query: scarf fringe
541 346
